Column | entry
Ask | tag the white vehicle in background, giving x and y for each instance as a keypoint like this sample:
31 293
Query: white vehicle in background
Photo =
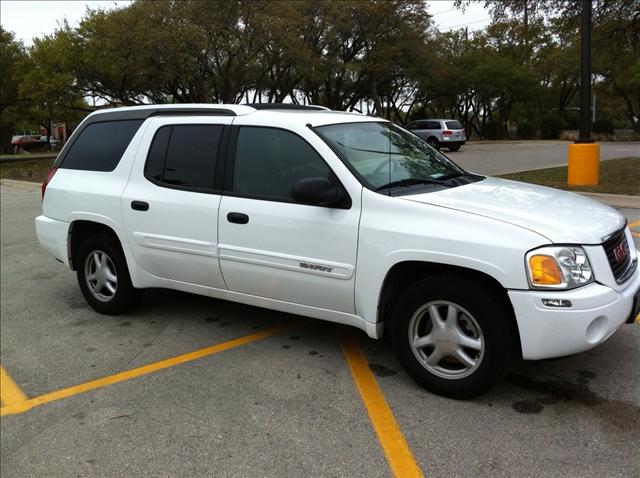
340 217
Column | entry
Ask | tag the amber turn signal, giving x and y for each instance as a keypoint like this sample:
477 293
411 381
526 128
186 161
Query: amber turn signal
544 270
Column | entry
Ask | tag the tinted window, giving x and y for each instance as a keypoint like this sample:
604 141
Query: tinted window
269 161
154 169
101 145
184 156
453 124
433 125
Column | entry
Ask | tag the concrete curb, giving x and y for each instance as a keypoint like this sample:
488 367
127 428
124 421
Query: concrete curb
616 200
26 157
22 185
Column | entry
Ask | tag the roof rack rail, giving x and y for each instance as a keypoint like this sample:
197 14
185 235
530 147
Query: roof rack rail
193 112
286 106
144 113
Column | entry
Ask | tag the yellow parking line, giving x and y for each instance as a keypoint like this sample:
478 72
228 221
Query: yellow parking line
394 445
23 406
10 393
634 224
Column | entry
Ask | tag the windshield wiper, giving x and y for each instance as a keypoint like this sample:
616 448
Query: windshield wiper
407 182
451 176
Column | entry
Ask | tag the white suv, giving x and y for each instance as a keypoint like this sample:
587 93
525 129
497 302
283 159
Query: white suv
440 133
340 217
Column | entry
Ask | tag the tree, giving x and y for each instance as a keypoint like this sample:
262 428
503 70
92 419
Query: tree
12 68
48 82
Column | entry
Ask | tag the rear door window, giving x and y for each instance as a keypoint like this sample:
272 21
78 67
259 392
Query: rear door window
433 125
184 156
101 145
453 124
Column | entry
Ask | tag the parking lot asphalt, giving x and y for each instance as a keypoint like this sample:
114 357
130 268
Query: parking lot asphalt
514 156
286 403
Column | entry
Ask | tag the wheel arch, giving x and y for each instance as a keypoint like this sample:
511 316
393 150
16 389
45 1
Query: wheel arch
80 230
404 273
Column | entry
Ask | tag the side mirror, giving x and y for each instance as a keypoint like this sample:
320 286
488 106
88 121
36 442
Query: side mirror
317 192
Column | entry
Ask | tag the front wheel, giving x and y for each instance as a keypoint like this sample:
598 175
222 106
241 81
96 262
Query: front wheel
451 336
103 276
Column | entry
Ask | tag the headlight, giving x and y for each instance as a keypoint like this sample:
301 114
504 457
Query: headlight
558 267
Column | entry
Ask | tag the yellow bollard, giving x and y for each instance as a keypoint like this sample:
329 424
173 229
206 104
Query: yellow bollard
584 164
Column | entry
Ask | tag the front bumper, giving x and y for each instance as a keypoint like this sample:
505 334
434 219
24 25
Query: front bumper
52 235
596 313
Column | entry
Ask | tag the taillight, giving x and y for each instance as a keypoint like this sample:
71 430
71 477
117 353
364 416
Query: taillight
45 183
446 132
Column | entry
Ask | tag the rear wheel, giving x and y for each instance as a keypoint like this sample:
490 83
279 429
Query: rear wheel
433 142
103 276
454 148
451 336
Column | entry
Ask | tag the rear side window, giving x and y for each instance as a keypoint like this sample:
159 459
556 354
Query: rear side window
184 156
269 161
453 124
433 125
101 145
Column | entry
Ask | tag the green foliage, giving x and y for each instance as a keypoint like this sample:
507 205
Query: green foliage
493 130
571 119
526 130
602 126
380 56
550 126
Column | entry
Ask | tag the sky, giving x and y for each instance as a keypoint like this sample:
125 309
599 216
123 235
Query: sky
29 18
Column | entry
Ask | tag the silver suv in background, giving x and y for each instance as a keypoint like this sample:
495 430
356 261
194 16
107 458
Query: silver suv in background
439 132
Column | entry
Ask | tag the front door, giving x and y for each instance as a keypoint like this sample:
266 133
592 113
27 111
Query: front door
272 247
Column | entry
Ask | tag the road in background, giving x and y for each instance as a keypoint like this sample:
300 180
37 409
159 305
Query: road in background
283 406
504 157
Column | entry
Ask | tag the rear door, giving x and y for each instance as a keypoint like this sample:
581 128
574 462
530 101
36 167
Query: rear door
419 129
170 205
433 129
272 247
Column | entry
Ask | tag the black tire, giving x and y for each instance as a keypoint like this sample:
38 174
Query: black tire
454 148
433 142
490 316
125 296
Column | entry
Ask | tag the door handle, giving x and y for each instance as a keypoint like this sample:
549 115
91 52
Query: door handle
237 218
139 205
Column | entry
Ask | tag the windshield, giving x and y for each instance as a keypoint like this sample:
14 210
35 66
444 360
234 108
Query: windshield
386 155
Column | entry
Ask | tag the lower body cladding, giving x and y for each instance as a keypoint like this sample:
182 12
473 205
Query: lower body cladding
594 314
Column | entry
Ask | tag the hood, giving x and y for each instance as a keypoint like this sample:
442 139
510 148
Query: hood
560 216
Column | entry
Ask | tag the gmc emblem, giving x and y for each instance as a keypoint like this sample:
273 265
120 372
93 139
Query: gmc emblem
621 251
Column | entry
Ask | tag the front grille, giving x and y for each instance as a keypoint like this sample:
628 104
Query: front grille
620 263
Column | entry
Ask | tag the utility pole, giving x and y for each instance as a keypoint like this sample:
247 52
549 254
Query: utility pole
584 154
585 74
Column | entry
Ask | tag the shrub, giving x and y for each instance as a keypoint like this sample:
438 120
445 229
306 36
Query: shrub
550 126
571 119
493 130
602 126
526 130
